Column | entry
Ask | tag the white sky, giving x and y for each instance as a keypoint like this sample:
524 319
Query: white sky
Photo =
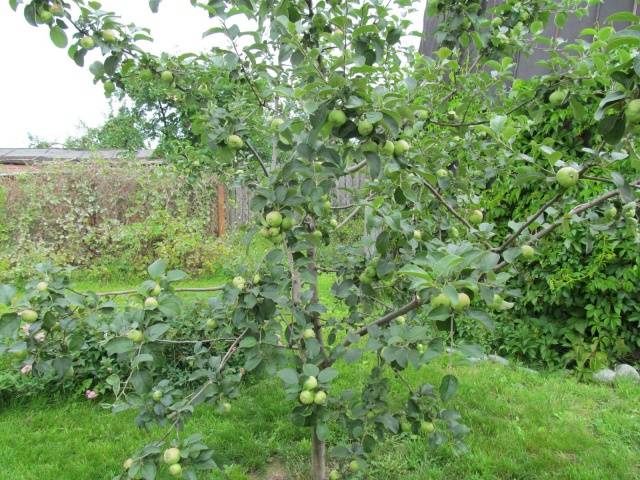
43 92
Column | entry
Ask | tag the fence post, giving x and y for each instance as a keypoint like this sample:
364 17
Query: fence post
221 210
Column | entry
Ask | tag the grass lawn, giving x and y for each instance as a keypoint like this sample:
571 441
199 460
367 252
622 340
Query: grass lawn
524 426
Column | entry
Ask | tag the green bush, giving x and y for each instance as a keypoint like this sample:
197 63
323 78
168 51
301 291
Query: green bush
111 220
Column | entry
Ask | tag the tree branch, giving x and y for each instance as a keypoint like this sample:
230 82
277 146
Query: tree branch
453 211
544 207
356 167
346 219
412 305
258 157
574 211
130 292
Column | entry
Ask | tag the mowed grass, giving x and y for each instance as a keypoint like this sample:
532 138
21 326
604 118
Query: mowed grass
523 426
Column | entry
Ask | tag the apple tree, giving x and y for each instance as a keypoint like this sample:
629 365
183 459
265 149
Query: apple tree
337 93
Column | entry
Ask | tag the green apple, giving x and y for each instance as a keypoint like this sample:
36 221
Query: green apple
310 383
388 148
401 320
354 466
422 114
287 223
264 232
333 222
320 398
147 75
632 112
166 77
337 118
235 142
427 427
442 173
109 87
365 279
317 234
171 456
417 234
157 395
401 147
558 97
151 303
611 212
334 475
156 290
239 282
274 231
256 279
365 127
87 43
276 123
45 16
109 36
441 300
476 217
308 333
463 301
29 315
274 219
212 323
128 463
306 397
527 251
567 177
136 336
175 470
69 373
454 232
226 407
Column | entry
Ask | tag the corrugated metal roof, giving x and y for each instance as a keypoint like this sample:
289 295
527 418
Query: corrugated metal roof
27 156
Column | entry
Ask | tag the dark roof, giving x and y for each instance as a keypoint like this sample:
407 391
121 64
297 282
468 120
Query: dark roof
31 156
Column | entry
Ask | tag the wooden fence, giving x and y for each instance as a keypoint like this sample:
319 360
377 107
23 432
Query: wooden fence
238 199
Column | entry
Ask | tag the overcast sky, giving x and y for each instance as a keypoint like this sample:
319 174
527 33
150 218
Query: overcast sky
44 93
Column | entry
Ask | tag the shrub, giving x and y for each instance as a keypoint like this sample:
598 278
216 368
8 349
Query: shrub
109 219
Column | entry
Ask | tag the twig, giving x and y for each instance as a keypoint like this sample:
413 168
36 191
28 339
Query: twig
346 220
574 211
258 157
130 292
544 207
532 219
356 167
453 211
412 305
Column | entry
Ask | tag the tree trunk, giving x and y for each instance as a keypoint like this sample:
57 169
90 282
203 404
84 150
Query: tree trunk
318 458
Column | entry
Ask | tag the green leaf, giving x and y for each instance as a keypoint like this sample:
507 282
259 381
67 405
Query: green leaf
7 292
322 431
176 275
327 375
154 5
154 332
119 345
61 365
448 387
9 323
157 269
58 37
248 342
289 376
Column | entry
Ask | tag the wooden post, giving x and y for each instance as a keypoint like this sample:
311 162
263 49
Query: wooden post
221 210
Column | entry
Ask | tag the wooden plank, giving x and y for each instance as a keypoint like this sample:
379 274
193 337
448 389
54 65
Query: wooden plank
221 209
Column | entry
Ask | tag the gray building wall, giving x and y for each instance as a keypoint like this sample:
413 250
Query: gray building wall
527 65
